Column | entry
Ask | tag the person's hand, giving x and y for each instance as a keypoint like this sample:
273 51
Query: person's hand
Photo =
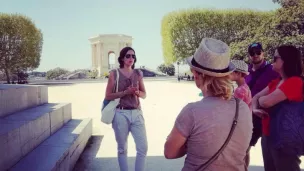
137 92
260 113
130 90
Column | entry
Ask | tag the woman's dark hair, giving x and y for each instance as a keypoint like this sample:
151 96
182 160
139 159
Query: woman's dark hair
292 58
122 54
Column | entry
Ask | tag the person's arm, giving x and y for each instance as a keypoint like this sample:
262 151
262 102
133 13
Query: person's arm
255 102
175 146
239 93
110 86
290 89
142 91
272 99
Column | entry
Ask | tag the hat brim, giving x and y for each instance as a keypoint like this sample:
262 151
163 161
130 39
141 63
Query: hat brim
244 72
231 68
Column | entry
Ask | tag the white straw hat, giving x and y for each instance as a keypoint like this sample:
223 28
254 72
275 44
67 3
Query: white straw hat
212 58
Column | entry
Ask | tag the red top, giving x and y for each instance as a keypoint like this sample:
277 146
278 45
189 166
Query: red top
293 90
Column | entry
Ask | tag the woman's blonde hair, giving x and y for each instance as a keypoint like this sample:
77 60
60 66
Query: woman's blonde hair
217 86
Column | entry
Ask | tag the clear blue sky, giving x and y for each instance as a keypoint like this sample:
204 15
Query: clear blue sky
67 25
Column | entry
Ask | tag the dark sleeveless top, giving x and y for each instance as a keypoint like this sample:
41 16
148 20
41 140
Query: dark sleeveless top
130 101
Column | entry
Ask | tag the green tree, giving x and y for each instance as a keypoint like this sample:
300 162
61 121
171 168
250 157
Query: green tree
167 69
286 3
182 31
20 44
162 68
22 76
286 26
93 73
54 73
2 76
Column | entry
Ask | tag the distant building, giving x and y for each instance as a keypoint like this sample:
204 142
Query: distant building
77 74
102 46
150 73
37 74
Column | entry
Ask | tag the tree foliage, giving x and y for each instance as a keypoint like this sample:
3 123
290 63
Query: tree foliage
20 44
284 27
167 69
54 73
286 3
2 76
93 73
182 31
19 76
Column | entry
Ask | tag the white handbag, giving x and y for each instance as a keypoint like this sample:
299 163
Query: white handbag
108 112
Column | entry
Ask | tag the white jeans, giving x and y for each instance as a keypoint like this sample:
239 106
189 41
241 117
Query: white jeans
124 122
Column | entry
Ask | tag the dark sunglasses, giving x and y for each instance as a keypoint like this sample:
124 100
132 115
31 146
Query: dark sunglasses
252 53
129 56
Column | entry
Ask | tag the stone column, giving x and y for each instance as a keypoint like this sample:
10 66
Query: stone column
92 53
94 62
101 57
97 54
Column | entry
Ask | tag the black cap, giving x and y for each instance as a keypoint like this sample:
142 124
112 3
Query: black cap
256 45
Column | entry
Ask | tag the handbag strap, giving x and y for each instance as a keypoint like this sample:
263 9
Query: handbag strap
215 156
117 80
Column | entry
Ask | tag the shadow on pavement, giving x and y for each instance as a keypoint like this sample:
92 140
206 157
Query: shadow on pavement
89 153
153 163
89 162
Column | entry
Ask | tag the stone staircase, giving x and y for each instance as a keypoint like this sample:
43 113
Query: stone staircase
36 135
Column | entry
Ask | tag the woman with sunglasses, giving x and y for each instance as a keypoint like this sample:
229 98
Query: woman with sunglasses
128 116
287 62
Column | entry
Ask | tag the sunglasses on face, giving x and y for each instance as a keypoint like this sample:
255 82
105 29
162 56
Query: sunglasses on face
129 56
255 53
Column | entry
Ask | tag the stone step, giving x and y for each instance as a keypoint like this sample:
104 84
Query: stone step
14 98
22 131
60 151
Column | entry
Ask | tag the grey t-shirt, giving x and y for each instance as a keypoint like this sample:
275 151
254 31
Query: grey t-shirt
206 125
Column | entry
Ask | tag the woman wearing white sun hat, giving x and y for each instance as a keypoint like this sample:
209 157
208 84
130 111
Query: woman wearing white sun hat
215 132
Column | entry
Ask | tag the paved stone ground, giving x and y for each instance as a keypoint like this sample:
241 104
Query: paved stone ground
164 101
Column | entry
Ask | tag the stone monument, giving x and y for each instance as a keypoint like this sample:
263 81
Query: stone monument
105 44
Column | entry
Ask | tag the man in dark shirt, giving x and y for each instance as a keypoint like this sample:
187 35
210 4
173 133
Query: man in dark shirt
261 74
